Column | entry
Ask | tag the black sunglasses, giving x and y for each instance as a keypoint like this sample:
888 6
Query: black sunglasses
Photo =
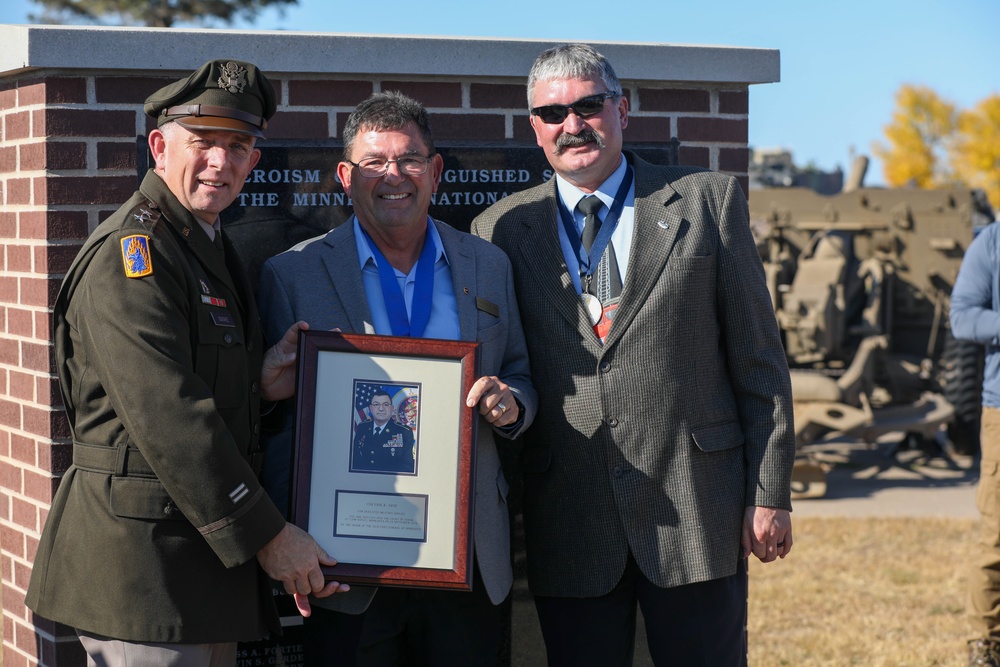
584 108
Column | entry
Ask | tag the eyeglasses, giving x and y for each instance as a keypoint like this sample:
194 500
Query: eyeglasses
374 167
584 108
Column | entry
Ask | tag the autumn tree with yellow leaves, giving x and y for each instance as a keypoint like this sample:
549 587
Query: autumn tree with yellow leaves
976 154
921 128
931 143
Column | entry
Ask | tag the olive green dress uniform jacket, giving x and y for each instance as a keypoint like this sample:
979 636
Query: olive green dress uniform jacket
656 441
153 532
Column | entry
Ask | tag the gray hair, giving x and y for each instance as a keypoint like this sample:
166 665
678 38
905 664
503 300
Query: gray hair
572 61
382 112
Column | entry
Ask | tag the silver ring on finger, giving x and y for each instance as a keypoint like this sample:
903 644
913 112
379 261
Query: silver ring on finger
503 408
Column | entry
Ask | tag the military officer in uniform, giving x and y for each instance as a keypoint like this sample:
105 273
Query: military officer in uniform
162 367
381 444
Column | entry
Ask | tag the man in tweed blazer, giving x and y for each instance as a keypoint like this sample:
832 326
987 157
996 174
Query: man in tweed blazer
662 451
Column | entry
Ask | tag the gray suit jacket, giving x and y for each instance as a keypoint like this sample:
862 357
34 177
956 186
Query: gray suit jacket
319 281
656 441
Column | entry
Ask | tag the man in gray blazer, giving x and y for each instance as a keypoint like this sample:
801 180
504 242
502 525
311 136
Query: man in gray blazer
391 269
662 452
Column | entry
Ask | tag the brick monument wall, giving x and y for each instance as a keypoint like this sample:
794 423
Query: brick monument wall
71 122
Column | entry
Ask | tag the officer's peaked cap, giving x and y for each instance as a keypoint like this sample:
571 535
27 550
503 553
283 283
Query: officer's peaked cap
220 95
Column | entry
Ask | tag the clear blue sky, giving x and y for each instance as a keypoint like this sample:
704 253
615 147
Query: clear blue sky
841 62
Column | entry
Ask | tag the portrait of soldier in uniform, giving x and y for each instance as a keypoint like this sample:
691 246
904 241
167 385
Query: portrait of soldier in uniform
381 442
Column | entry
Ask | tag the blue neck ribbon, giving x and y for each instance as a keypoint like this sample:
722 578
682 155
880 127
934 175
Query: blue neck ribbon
603 236
423 291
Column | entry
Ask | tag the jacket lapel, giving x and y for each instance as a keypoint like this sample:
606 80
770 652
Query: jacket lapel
184 224
542 254
215 263
347 290
462 263
237 272
656 226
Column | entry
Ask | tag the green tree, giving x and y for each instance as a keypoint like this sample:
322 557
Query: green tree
919 136
153 13
976 152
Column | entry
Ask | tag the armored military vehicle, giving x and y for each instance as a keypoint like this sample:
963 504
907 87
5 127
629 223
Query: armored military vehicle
861 284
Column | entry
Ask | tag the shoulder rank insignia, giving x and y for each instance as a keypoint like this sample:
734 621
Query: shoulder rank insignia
135 255
146 215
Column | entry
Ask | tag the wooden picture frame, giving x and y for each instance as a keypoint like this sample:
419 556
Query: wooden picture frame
395 508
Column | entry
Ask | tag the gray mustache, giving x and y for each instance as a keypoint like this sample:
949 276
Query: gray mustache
572 140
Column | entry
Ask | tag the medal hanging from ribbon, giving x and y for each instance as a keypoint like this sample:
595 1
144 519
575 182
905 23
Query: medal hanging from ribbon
590 261
423 290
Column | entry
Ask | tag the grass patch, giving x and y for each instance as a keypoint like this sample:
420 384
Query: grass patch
873 592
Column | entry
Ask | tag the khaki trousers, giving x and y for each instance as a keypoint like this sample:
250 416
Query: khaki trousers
984 577
107 652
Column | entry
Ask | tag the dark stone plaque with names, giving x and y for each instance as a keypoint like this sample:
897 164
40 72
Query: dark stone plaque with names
293 194
271 651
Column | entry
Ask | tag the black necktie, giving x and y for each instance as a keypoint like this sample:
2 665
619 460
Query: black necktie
217 241
589 206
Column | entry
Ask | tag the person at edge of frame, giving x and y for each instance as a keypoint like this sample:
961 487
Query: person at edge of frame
975 316
162 366
662 452
391 269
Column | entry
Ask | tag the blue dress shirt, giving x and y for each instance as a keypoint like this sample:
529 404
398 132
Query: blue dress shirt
443 322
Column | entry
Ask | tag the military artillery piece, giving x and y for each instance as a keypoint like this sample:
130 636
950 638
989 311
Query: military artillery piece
861 284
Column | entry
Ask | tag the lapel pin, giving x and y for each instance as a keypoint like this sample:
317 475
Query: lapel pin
663 224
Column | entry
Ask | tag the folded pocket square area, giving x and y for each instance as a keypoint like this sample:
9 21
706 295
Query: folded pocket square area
487 306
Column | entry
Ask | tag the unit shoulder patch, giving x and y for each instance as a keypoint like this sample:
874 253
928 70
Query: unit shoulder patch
136 256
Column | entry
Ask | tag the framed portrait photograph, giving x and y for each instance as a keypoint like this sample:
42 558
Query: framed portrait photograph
384 457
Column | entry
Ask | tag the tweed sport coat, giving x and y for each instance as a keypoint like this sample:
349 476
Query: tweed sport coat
656 441
319 281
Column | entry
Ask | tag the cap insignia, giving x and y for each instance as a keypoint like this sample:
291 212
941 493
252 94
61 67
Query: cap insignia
135 256
234 77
